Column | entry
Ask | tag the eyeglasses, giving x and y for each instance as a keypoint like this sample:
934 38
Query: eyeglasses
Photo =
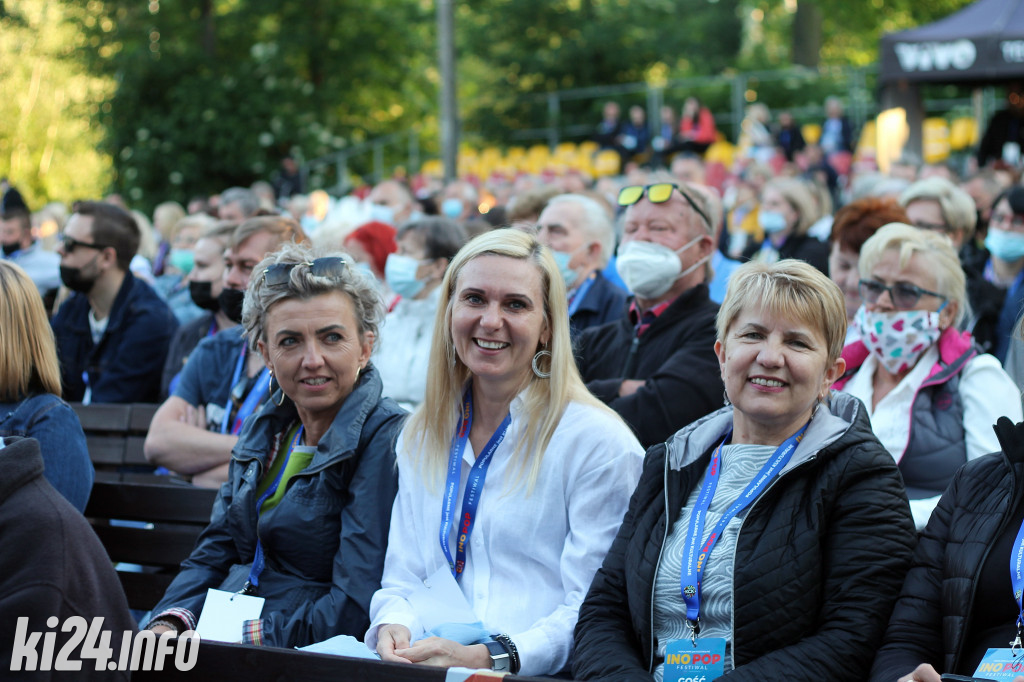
942 228
657 194
903 296
70 244
330 267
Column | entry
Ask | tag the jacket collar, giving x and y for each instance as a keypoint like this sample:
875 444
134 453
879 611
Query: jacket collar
21 461
340 441
829 423
117 311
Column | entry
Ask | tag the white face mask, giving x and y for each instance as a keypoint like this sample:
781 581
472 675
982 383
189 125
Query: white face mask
649 269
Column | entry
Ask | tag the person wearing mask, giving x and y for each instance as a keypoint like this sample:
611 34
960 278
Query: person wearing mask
911 365
414 272
527 473
655 365
1005 266
581 237
392 203
204 282
787 210
303 520
19 246
223 382
113 333
771 534
369 245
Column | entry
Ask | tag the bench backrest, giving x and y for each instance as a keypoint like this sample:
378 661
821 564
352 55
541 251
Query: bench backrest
115 433
150 522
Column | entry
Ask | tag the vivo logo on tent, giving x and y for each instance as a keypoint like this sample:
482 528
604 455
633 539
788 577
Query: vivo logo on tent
958 54
1013 50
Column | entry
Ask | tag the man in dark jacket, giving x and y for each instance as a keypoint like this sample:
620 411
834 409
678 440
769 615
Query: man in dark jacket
113 333
579 231
52 566
656 365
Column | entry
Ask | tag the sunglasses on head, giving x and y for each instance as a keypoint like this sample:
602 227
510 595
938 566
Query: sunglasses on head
903 296
330 267
70 244
657 193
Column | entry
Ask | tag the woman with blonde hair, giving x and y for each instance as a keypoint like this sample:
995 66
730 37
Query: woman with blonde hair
504 401
30 403
787 210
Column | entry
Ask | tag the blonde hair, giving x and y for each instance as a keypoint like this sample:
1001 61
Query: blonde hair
956 205
799 195
789 288
430 428
936 248
28 354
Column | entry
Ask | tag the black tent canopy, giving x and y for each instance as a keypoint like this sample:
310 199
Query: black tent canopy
982 42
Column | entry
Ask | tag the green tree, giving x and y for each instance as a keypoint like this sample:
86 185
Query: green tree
47 146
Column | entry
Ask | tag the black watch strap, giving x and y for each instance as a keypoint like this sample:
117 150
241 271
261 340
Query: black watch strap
513 652
501 659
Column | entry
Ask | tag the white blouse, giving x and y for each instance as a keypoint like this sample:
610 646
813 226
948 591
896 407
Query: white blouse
531 559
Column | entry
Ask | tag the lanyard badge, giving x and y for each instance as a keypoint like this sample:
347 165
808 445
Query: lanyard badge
474 485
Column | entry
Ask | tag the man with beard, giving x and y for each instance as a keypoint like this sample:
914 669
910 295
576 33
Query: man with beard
112 334
223 382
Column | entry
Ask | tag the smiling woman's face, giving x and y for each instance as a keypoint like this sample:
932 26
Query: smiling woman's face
498 320
775 369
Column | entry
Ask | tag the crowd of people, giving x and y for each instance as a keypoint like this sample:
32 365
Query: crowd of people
557 426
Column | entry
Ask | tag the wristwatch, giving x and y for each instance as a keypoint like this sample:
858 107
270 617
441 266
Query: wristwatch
500 658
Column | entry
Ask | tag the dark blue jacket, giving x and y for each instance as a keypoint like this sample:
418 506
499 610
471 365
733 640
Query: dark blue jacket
126 365
53 423
324 542
603 302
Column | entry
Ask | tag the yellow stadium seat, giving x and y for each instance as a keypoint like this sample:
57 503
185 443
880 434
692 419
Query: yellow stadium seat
433 168
935 140
606 163
722 152
963 133
589 147
811 132
566 150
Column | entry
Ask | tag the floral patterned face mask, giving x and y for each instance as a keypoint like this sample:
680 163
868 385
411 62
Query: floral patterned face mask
900 338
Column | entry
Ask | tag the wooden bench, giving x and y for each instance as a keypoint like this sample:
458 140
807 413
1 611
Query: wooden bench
230 662
166 518
114 434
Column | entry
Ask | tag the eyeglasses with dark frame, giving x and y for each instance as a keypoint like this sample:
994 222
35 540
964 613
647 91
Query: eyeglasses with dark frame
69 244
330 267
903 296
658 193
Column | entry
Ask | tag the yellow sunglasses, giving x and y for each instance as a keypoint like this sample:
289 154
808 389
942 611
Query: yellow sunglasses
657 194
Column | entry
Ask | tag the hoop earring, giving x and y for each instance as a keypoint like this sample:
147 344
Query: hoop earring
359 369
536 359
280 402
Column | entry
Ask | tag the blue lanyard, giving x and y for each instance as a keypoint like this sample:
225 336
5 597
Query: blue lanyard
257 561
581 293
252 399
474 484
695 559
1017 582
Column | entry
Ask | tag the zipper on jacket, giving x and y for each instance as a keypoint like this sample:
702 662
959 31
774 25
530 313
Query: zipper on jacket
630 366
657 566
732 588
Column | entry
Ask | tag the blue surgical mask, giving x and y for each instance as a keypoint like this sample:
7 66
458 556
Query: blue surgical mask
568 274
400 274
181 259
1004 245
452 208
772 222
380 213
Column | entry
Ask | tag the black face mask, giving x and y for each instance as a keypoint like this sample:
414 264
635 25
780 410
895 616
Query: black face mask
11 248
202 296
74 279
230 302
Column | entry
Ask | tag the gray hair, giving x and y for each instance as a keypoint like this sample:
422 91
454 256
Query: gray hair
259 297
596 223
246 198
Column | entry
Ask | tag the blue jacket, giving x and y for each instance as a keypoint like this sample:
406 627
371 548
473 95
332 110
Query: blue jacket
324 542
53 423
126 365
602 303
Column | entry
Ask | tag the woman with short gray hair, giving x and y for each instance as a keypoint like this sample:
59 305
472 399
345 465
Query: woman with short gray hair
303 519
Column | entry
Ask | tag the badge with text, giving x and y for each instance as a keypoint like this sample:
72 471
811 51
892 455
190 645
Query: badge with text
1000 664
224 614
700 662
